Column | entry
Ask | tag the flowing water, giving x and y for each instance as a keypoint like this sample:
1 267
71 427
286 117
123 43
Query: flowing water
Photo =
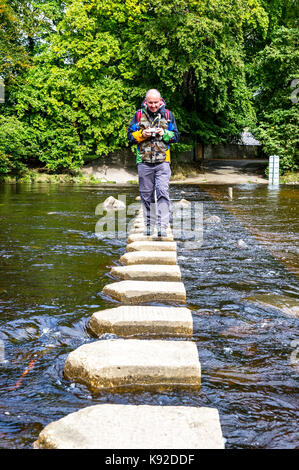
52 271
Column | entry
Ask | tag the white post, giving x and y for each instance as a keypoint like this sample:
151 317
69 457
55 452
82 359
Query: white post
2 91
273 170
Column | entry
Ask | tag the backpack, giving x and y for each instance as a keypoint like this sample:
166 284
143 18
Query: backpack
139 112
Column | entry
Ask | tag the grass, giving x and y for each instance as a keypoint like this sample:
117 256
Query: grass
291 177
180 171
35 176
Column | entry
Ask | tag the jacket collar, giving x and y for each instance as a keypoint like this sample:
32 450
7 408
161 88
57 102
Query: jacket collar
160 111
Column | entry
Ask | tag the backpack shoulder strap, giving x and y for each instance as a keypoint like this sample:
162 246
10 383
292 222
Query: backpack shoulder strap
167 114
138 115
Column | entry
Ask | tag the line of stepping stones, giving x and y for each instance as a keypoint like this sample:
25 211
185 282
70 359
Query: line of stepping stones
149 273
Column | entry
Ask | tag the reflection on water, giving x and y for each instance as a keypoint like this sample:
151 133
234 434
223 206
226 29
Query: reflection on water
53 269
270 214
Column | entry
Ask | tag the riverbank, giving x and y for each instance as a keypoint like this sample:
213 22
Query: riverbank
211 172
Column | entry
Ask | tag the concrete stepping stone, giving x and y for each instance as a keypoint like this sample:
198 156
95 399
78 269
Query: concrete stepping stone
149 245
116 426
134 363
148 272
149 257
128 320
131 292
141 230
138 224
135 237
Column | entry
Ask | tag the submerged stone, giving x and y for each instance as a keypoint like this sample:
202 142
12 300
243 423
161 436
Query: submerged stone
213 219
182 203
113 204
285 304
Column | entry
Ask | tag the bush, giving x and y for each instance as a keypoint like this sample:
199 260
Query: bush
275 68
16 145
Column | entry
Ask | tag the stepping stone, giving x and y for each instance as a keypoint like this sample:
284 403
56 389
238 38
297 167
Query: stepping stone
112 203
138 225
135 320
134 363
116 426
136 237
141 230
149 245
149 257
182 203
148 272
132 292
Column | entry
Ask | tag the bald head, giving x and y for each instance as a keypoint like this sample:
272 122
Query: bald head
153 100
153 93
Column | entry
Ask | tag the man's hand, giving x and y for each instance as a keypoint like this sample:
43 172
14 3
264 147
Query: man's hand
160 131
146 133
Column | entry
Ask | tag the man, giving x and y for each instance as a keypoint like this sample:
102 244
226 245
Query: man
153 128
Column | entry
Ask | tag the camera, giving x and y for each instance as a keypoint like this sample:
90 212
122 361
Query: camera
153 131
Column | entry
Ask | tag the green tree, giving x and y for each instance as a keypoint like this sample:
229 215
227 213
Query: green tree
275 69
193 51
13 54
17 145
91 66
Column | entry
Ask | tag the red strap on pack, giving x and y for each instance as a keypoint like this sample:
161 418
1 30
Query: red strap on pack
139 112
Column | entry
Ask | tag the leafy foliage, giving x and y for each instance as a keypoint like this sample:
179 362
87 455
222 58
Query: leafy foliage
278 115
16 145
76 70
13 54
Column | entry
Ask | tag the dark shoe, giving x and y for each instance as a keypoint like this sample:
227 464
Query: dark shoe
162 232
148 231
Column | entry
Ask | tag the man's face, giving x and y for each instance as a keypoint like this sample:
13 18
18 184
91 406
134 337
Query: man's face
153 102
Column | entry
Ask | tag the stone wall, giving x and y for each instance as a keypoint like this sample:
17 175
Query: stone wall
126 158
233 151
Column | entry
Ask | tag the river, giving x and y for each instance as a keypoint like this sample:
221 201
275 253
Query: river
53 267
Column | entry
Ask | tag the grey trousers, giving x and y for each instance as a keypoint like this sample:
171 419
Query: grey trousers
154 178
